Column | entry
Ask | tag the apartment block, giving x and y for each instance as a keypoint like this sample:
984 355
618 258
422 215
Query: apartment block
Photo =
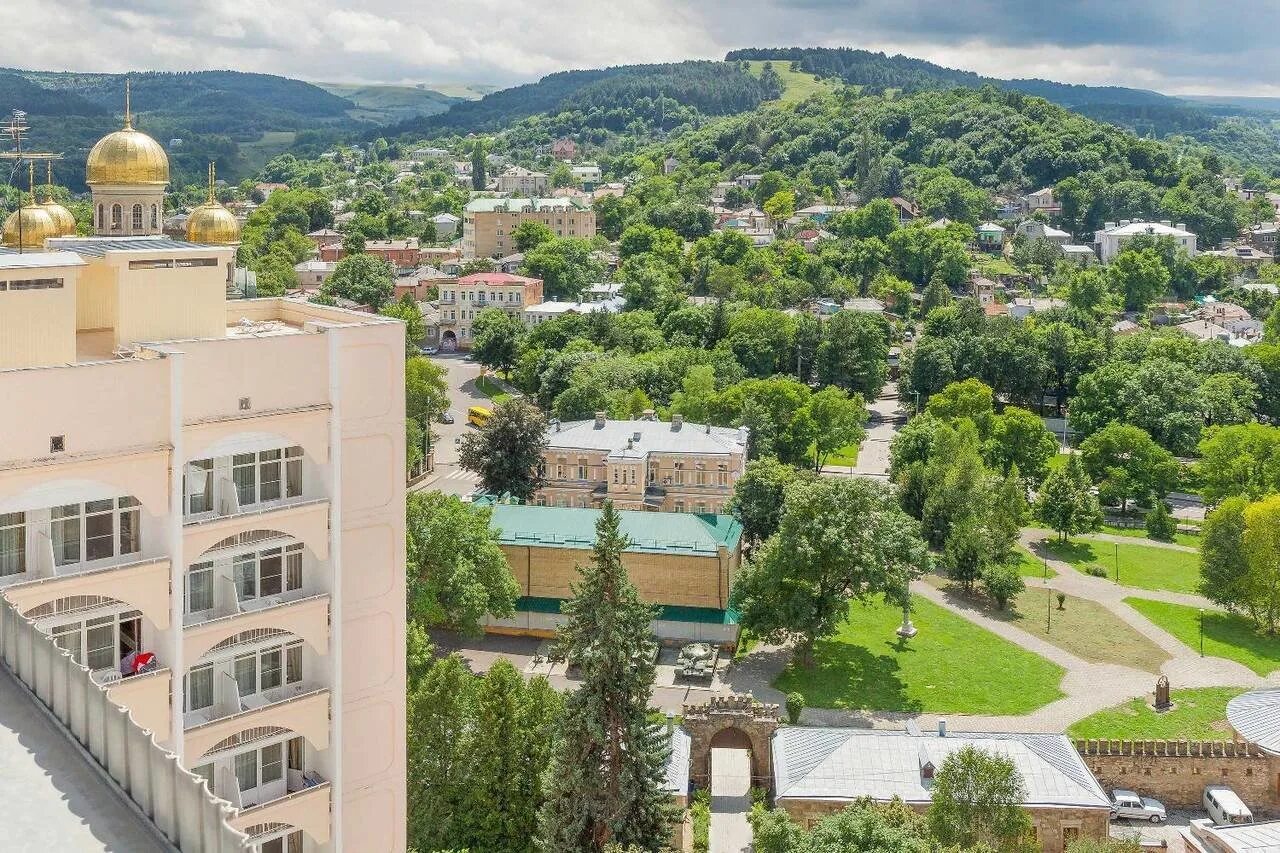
488 223
461 301
642 464
520 181
202 501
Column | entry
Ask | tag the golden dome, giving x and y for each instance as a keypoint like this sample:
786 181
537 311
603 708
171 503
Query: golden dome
62 218
213 225
127 156
28 227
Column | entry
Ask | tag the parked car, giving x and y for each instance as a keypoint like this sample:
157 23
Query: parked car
1224 806
1129 805
431 351
446 417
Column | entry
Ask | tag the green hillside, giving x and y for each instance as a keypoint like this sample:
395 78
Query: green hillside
797 85
390 104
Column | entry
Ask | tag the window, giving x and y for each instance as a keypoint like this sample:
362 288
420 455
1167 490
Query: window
195 262
100 642
199 593
679 506
102 219
246 674
257 475
153 264
247 770
268 668
95 530
32 284
137 217
117 217
13 543
198 485
272 673
199 688
272 762
155 216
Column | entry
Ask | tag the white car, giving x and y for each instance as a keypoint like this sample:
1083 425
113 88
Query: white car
1127 804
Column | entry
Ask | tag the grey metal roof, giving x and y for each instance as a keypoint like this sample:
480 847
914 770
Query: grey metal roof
35 260
98 247
1256 717
654 437
845 764
678 763
1244 838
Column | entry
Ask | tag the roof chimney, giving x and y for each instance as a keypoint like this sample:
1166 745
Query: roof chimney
1182 226
744 435
555 422
599 420
942 727
677 421
1107 226
1124 222
649 415
1166 223
635 436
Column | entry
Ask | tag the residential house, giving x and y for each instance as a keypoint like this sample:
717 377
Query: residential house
564 149
1007 209
611 189
446 226
820 213
939 224
983 288
642 464
1125 327
819 770
682 563
1221 312
402 254
461 301
423 155
519 181
325 236
268 188
1034 229
907 211
749 181
1041 200
1204 331
1111 239
510 263
488 223
864 305
1082 255
314 273
586 174
1024 307
534 315
1248 256
1201 836
991 236
669 165
422 282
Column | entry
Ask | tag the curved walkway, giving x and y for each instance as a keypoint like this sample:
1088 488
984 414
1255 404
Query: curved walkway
1089 686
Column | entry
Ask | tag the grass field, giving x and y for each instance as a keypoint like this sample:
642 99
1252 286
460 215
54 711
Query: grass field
1031 566
1199 714
491 389
992 265
1191 540
846 456
951 666
270 144
797 85
1141 566
1225 634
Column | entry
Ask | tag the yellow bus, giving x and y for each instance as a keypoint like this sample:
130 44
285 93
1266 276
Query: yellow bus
478 416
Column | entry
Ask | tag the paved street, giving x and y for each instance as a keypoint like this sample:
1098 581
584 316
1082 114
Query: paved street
449 477
887 417
730 800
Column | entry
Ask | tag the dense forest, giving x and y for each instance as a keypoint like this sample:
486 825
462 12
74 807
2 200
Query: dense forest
608 98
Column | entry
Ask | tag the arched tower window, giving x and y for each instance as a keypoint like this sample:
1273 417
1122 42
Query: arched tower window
137 217
102 219
117 217
155 217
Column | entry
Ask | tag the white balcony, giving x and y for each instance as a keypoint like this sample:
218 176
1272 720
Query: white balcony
229 704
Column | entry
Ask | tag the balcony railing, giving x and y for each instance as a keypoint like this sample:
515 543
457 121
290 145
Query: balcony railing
176 801
230 703
226 505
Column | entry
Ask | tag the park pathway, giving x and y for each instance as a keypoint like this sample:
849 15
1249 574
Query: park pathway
730 800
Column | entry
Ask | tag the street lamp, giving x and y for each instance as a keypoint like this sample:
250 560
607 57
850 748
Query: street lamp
1048 601
1117 547
1046 566
917 393
1201 632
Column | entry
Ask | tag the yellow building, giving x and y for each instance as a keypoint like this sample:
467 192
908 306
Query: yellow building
488 223
202 502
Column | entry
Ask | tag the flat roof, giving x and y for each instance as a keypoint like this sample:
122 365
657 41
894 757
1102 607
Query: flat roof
10 260
648 532
666 612
98 247
54 799
654 437
846 764
1261 837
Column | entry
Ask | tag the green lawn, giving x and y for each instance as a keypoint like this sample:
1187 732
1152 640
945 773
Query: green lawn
1199 714
1191 540
797 85
1058 462
1225 634
1031 566
846 456
271 143
1141 566
491 389
951 666
992 265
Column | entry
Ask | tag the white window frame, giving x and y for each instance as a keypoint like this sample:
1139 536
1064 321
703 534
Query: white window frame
120 512
13 543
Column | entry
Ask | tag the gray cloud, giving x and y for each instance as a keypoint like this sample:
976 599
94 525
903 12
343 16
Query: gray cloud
1172 45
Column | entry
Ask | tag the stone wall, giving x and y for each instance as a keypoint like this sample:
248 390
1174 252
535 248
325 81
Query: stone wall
753 720
1176 772
1053 827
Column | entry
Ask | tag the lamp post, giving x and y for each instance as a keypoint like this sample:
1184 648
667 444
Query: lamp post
1046 566
1117 547
917 394
1201 632
1048 601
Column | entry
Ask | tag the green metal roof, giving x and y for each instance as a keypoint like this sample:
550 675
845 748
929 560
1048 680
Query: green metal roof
650 532
666 612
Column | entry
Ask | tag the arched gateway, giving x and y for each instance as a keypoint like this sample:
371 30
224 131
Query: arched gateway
732 722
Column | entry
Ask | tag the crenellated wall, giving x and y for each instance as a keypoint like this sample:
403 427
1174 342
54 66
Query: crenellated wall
1176 772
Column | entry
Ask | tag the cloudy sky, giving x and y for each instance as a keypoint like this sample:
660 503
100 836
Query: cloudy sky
1175 46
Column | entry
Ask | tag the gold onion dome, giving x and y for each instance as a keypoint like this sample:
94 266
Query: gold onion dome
127 156
28 227
211 223
62 218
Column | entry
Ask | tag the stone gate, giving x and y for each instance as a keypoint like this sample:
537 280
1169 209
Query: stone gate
735 721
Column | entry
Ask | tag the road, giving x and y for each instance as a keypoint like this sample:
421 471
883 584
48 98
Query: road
449 477
873 456
730 800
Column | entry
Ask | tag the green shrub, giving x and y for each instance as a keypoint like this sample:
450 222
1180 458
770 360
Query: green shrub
795 706
1002 582
1161 525
1062 601
701 812
1097 570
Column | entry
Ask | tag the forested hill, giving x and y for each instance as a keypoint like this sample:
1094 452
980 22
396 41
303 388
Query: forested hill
664 94
218 115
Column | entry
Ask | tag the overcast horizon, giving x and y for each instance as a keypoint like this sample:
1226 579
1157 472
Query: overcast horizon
1176 47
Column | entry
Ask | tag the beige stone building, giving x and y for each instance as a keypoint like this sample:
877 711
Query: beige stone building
519 181
488 223
684 563
202 502
819 770
461 301
642 464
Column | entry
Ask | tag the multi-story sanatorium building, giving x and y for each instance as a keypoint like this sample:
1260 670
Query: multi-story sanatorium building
210 493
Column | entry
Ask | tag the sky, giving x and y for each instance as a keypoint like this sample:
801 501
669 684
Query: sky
1173 46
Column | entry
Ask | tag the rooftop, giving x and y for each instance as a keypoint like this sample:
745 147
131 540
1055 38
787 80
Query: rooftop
648 532
495 278
98 247
845 764
1241 838
1158 228
648 436
1256 717
515 205
54 798
10 260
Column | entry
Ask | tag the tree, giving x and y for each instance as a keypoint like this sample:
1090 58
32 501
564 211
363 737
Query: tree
837 539
607 774
1239 460
1161 525
854 353
936 295
861 827
353 242
977 798
566 266
1223 564
1002 581
479 178
1262 555
758 494
970 399
781 206
363 279
838 422
531 234
1065 502
1140 276
408 312
965 554
1126 464
1019 439
496 339
457 571
426 395
438 763
507 451
1005 517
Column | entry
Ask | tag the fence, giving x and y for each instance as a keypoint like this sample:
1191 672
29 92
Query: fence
175 800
